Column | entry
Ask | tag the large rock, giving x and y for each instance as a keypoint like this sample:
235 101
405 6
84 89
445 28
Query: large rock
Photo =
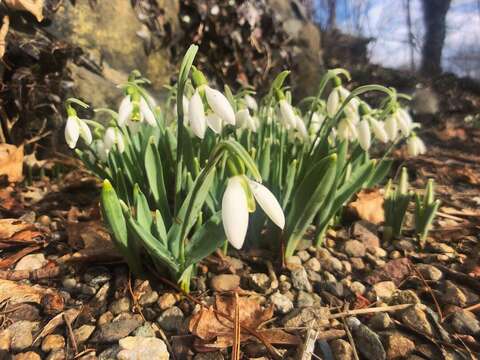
305 42
108 32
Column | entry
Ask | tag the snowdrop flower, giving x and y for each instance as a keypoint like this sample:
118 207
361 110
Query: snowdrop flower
287 114
251 102
113 137
316 122
378 128
235 208
214 122
220 105
336 98
301 128
244 119
404 121
131 112
415 146
196 115
391 127
364 136
74 129
347 130
100 150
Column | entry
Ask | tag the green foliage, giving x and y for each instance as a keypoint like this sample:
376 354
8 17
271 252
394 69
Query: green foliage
426 208
397 198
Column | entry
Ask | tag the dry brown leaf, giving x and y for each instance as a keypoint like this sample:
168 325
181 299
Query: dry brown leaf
88 234
208 325
57 321
3 35
11 162
17 294
14 232
369 206
34 7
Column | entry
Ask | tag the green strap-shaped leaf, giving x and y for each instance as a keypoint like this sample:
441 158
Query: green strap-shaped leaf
112 212
154 171
205 241
153 245
380 173
143 214
188 213
308 199
158 228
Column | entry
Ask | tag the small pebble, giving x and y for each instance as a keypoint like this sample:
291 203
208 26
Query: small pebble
167 300
53 342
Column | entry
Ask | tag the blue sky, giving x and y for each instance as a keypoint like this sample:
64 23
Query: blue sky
385 20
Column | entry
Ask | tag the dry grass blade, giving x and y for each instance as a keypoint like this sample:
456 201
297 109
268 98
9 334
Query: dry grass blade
308 347
236 325
350 339
370 310
60 319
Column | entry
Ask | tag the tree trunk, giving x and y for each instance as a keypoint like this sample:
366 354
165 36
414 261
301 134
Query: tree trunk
434 16
332 14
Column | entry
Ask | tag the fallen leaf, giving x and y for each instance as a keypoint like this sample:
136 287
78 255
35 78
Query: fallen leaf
369 206
11 162
88 235
208 325
14 232
17 294
34 7
3 34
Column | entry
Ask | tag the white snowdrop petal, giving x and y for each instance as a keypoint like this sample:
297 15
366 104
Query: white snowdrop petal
147 113
251 102
302 129
220 105
287 114
85 132
109 138
125 111
364 136
214 122
404 122
391 127
333 102
235 212
268 203
72 131
196 115
379 130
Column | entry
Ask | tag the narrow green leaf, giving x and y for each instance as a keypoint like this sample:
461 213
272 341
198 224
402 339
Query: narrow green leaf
205 240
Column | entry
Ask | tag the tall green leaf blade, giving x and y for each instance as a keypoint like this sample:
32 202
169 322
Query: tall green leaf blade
154 171
308 199
205 240
143 214
113 214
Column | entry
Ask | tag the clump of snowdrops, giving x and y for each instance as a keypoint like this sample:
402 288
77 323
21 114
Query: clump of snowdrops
180 184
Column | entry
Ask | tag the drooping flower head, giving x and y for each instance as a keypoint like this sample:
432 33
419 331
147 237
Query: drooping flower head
208 106
240 194
416 146
76 128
